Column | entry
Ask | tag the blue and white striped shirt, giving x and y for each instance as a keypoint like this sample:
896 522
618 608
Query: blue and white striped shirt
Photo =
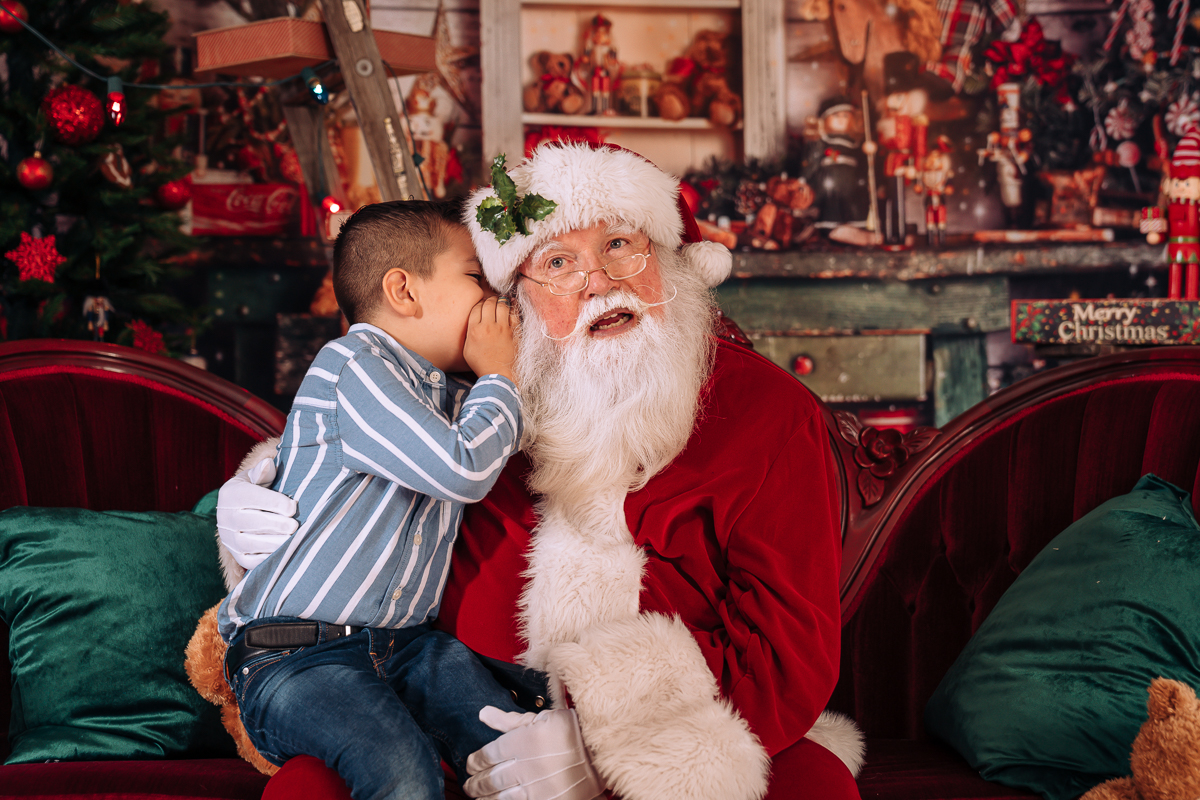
381 453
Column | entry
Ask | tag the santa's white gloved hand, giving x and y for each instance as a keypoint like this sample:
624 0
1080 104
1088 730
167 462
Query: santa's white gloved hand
252 519
539 757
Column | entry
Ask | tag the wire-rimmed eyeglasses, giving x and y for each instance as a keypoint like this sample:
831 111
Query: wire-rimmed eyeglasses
569 283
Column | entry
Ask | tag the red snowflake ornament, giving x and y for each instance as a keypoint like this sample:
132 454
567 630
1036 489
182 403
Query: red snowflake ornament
146 338
36 259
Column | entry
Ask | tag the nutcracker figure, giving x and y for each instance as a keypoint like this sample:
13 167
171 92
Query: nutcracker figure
937 176
902 130
1183 244
598 69
835 167
96 309
1009 149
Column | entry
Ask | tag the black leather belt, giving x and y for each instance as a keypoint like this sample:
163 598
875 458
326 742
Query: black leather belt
275 636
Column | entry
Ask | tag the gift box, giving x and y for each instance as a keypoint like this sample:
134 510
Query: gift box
246 209
279 48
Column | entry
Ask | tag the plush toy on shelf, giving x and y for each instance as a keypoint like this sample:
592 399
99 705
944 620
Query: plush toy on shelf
553 90
697 83
836 168
1165 760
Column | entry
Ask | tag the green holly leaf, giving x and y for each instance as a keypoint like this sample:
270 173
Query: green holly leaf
494 217
506 190
536 207
506 212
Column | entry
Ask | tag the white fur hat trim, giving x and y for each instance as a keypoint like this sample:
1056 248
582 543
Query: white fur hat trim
590 185
713 261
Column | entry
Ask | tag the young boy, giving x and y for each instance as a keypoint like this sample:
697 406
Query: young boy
331 652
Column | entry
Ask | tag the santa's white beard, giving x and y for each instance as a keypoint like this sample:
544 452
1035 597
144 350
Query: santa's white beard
603 415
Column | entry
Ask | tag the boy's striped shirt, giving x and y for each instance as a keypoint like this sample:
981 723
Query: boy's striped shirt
381 452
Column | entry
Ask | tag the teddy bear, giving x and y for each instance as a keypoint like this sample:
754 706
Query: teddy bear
204 662
1166 753
553 90
696 83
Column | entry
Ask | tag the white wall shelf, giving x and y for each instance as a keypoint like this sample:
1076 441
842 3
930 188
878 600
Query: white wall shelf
764 129
680 4
644 123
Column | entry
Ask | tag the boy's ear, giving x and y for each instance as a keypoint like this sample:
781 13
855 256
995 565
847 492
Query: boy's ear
399 292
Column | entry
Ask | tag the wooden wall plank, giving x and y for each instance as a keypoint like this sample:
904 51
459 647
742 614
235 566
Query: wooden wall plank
500 61
959 375
774 307
764 79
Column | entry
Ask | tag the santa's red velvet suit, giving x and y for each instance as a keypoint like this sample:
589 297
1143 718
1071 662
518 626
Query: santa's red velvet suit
745 551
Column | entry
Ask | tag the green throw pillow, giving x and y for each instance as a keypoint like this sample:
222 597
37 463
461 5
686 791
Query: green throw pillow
100 607
1050 692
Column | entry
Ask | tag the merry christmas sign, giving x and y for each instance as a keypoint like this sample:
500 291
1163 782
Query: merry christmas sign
1114 322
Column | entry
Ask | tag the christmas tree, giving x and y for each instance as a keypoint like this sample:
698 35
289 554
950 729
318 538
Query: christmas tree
86 219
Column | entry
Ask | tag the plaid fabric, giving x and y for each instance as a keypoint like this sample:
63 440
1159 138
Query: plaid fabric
963 23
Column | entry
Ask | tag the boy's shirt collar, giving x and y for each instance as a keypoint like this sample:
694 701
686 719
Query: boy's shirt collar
427 370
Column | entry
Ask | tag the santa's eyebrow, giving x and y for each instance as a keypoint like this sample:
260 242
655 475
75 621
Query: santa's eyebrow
622 228
547 247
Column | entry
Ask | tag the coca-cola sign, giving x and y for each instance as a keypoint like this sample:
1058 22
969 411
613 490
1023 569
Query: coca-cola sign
257 209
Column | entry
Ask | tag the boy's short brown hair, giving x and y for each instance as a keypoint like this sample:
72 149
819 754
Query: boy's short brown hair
408 234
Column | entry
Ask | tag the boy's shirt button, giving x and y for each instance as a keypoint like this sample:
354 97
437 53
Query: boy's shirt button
396 594
417 540
435 376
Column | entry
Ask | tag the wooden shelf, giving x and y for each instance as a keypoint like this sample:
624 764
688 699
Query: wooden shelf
642 123
690 4
836 262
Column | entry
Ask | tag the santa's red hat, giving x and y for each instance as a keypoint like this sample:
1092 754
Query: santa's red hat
589 185
1185 163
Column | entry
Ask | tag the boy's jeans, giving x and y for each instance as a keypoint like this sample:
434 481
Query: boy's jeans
382 707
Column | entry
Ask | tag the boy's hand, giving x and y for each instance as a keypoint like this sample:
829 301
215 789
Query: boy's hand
490 347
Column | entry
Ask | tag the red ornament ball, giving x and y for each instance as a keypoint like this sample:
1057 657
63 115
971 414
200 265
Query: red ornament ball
35 173
7 23
174 195
75 115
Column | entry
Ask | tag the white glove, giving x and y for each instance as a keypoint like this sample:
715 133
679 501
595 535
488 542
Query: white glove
539 757
252 519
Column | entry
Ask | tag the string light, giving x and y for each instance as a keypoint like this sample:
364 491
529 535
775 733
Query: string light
9 16
116 100
331 205
314 85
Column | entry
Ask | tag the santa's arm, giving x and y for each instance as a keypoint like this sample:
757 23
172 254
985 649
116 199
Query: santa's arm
776 654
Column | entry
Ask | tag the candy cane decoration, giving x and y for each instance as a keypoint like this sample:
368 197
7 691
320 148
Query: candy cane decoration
1177 42
1112 33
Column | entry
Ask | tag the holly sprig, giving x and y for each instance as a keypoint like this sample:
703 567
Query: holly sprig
505 213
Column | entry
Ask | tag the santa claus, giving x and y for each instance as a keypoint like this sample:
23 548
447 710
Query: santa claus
665 552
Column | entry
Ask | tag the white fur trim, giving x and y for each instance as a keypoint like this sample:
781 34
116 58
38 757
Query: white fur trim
590 185
652 715
267 448
712 260
230 569
839 734
578 581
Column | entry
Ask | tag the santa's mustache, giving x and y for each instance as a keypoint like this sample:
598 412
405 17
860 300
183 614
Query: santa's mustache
600 306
